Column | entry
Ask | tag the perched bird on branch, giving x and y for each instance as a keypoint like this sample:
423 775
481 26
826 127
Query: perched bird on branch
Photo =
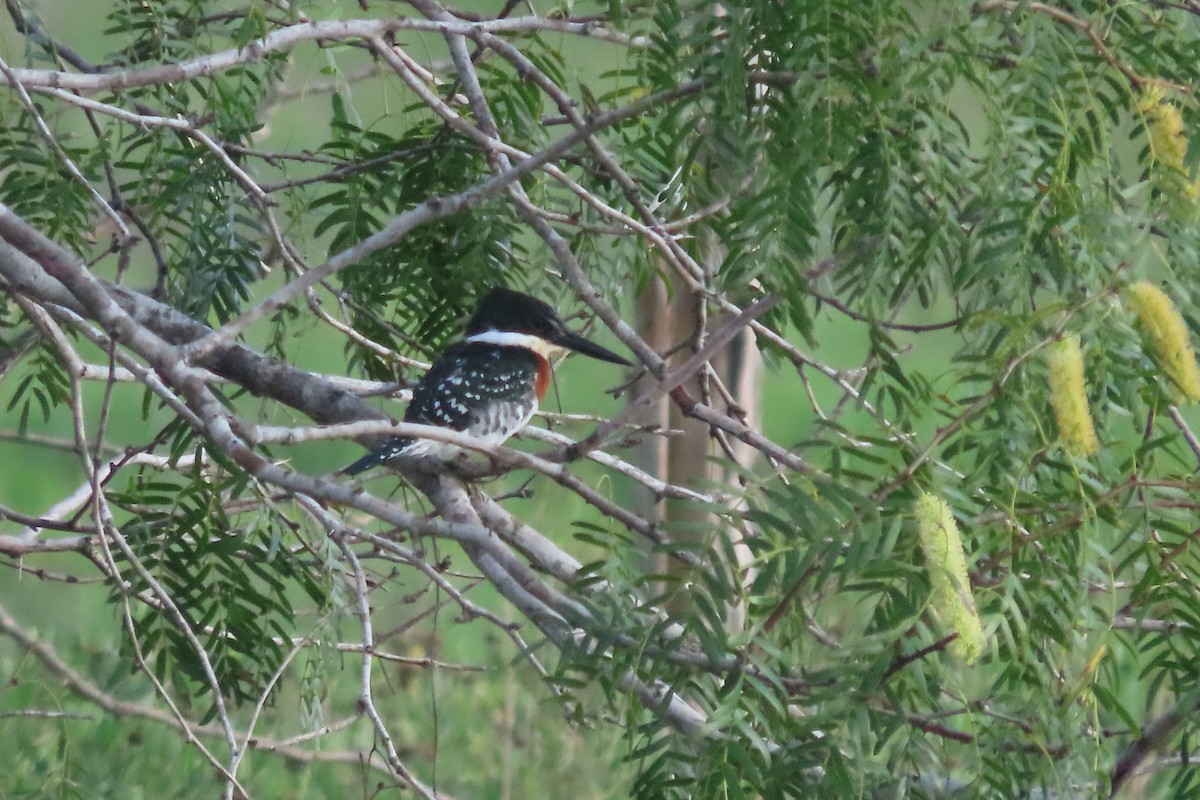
488 385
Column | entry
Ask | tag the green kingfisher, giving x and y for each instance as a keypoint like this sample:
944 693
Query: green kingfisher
489 384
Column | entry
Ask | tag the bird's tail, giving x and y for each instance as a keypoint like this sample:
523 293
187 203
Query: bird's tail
390 449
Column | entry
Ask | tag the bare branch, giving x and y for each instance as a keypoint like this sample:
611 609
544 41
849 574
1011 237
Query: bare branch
1088 30
7 74
365 693
111 705
282 40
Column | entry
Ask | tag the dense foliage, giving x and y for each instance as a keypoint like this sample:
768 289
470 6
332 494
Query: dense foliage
958 556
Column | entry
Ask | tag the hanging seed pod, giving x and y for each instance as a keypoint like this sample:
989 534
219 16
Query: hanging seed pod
1168 137
947 564
1068 396
1167 335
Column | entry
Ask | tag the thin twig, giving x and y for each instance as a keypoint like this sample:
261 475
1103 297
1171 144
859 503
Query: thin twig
1088 30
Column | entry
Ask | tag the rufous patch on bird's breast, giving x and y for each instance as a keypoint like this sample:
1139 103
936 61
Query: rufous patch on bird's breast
542 381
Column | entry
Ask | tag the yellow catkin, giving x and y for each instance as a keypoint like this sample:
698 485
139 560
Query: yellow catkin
1168 138
942 546
1168 336
1064 366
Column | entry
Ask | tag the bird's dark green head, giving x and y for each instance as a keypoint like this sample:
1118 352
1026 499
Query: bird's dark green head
505 316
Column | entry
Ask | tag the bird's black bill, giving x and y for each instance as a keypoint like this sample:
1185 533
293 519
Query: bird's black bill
579 344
